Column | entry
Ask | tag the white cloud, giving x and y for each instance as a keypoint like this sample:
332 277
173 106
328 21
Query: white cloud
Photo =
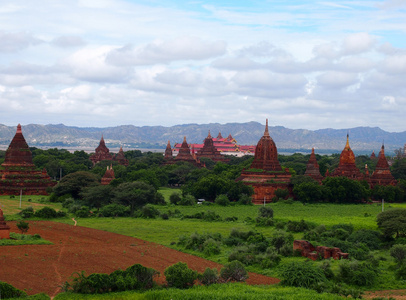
68 41
16 41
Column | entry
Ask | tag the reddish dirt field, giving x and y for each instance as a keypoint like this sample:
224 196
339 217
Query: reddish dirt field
44 268
396 294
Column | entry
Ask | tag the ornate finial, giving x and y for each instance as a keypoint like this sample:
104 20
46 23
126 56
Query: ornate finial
266 133
184 140
209 136
347 145
313 150
19 128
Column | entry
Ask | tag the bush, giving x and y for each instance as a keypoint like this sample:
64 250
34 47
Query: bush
245 200
297 226
27 212
234 271
115 210
188 200
149 212
302 274
281 238
8 291
180 276
145 276
398 252
23 226
68 202
281 193
209 276
46 213
222 200
357 273
400 273
265 212
211 247
174 198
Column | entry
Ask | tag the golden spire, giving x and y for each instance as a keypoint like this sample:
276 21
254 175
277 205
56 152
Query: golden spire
347 145
209 136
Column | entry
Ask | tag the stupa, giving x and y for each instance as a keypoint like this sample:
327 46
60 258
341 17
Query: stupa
4 228
18 173
382 174
185 155
312 168
120 157
108 176
168 152
265 174
346 166
101 153
210 151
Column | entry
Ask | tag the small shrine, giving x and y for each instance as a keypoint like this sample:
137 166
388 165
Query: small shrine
168 152
4 228
18 172
312 168
120 157
265 174
382 174
210 151
108 176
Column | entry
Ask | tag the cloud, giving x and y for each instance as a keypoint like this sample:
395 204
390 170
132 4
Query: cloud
68 41
180 49
17 41
358 43
395 64
337 80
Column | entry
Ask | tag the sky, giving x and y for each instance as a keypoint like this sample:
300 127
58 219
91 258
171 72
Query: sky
301 64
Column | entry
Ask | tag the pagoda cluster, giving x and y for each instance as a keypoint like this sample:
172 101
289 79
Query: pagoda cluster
103 153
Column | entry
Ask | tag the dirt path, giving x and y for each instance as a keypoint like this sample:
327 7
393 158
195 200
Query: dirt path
44 268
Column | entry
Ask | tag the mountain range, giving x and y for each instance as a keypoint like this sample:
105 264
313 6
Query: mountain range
362 139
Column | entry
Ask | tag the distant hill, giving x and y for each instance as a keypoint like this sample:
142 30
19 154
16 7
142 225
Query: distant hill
362 139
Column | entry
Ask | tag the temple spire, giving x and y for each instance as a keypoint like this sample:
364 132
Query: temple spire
19 128
266 133
209 136
347 145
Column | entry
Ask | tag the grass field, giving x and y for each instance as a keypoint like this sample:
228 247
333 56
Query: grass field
11 205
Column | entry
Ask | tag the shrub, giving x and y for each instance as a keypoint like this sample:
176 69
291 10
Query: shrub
27 212
8 291
115 210
209 276
211 247
149 212
145 276
281 238
371 238
281 193
67 202
357 273
23 226
46 213
346 227
174 198
398 252
188 200
222 200
180 276
245 200
302 274
400 273
83 212
234 271
297 226
211 216
265 212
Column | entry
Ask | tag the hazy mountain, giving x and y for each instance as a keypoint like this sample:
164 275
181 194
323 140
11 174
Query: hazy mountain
362 139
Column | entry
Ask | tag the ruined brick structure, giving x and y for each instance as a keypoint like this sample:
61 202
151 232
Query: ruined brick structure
265 174
4 228
184 155
312 168
314 253
18 172
108 176
103 153
382 174
120 157
210 151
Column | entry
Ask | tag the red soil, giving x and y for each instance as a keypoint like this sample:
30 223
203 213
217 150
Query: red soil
44 268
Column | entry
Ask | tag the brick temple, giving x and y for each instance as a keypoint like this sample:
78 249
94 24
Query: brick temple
312 168
18 172
210 151
382 174
265 174
184 155
103 153
108 176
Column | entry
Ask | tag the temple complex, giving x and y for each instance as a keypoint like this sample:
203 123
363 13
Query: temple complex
265 174
108 176
210 151
4 228
18 173
183 155
382 174
347 167
312 168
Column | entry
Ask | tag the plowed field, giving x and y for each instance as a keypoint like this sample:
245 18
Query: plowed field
44 268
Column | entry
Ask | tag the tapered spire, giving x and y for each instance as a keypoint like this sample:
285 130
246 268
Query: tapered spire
266 133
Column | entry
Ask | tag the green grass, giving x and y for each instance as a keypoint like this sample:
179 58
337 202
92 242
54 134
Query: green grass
214 292
167 192
23 239
11 206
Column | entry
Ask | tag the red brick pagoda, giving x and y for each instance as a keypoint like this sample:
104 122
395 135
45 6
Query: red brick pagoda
265 174
312 168
4 228
382 174
209 150
347 167
101 153
120 157
185 155
108 176
18 172
168 152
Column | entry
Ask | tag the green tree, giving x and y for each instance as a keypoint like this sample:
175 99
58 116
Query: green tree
135 194
393 222
97 196
345 190
180 276
74 183
23 226
309 192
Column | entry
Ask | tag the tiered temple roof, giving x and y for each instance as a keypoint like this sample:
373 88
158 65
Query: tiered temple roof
120 157
168 152
347 167
312 168
18 172
265 174
108 176
101 153
382 174
209 150
185 155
